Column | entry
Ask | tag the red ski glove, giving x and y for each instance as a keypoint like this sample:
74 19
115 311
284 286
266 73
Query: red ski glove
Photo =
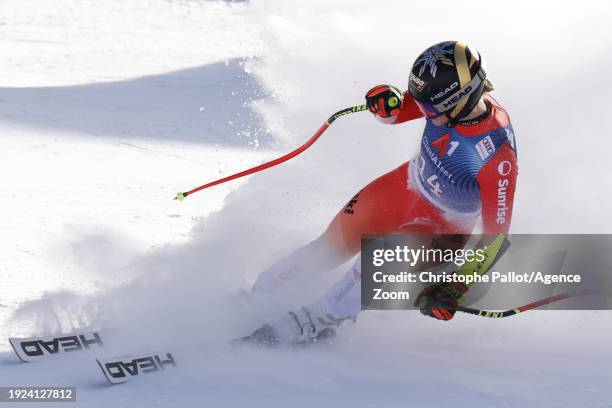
441 300
384 101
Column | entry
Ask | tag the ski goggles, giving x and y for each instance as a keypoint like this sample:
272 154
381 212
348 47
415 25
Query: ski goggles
428 110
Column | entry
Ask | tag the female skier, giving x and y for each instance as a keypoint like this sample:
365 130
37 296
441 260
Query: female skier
466 167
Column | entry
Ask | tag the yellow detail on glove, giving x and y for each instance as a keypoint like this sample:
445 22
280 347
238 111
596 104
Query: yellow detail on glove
491 252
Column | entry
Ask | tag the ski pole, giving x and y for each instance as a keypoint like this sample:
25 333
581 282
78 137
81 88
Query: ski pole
282 159
517 310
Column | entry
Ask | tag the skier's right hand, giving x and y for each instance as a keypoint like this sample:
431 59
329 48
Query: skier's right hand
384 101
441 300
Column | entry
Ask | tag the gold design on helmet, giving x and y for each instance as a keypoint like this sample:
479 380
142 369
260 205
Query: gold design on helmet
463 72
474 56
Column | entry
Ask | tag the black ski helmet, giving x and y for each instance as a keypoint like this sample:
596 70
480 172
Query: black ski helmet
447 78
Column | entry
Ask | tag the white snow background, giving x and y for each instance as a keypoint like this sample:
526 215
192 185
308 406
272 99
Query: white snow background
109 108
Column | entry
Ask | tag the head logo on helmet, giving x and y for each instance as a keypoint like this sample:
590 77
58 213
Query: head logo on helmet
452 101
444 92
450 77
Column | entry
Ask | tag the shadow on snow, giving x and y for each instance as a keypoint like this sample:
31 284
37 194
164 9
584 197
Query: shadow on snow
207 104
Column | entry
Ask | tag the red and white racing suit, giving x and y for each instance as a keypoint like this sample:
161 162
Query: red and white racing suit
461 173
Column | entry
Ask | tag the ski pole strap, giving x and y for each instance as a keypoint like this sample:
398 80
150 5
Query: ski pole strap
181 196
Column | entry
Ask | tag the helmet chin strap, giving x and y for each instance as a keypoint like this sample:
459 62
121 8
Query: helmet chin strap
459 118
453 121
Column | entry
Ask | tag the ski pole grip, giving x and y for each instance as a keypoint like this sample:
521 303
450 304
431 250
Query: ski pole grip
346 111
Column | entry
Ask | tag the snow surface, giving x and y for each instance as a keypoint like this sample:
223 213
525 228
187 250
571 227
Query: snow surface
109 108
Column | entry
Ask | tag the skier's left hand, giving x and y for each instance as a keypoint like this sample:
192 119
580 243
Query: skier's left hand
441 300
384 101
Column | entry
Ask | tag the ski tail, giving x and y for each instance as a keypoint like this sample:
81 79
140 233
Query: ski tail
122 369
30 349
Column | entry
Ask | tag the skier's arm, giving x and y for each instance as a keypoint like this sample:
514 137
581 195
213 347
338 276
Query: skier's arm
409 110
442 300
497 180
392 106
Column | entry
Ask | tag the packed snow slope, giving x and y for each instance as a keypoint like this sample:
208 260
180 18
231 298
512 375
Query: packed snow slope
108 109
